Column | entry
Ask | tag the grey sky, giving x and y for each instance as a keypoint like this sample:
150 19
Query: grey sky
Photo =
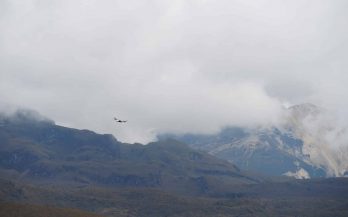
179 66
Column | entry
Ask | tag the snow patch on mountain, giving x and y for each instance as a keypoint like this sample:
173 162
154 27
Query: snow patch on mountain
299 174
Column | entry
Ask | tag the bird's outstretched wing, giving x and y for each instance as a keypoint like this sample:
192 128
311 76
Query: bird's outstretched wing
119 121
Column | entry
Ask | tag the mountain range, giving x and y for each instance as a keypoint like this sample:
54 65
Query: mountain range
47 169
35 149
305 144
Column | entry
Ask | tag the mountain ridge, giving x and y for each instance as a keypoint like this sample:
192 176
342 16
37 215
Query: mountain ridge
40 151
43 164
296 147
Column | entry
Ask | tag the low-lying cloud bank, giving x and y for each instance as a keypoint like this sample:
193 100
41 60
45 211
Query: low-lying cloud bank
172 66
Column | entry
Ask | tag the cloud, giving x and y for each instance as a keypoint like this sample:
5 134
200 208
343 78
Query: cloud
324 139
171 65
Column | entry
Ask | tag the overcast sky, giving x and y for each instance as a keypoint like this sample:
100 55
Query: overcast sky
172 66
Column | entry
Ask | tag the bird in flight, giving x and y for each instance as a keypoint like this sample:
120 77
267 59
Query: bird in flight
119 121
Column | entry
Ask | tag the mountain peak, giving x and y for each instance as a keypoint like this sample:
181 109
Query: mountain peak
25 116
305 109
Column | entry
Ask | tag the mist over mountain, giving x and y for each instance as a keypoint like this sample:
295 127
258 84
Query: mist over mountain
230 108
172 67
34 149
307 143
22 115
324 137
64 171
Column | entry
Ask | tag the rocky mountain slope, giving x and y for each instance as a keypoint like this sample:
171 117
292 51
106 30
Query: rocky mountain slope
37 150
58 171
298 147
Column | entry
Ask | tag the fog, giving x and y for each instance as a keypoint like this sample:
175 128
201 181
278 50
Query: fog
172 66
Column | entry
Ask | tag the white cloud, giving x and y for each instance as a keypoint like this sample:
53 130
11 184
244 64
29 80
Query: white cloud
171 65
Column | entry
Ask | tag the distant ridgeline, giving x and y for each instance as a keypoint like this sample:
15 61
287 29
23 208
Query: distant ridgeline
34 148
44 165
293 149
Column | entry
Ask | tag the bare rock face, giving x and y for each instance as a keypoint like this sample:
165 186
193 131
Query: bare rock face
324 138
307 143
